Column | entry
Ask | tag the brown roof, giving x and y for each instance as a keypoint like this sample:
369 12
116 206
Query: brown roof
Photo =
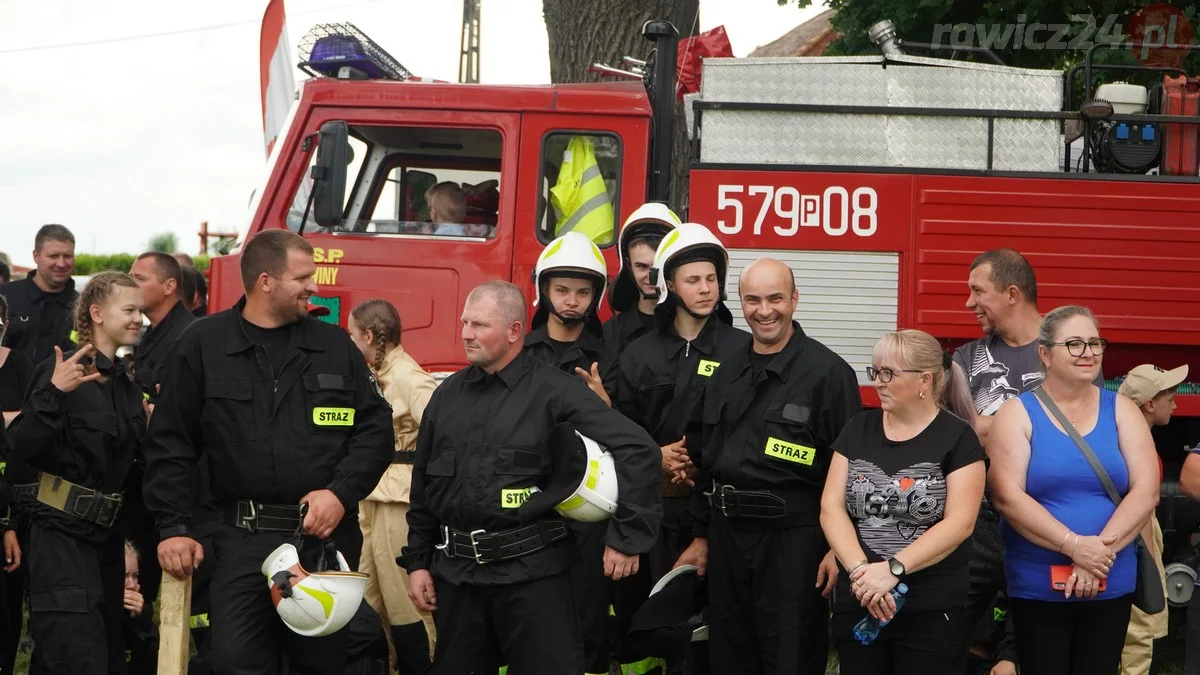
808 39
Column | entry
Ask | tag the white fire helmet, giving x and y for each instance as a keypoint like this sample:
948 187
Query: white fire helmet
572 252
312 604
649 218
583 483
689 242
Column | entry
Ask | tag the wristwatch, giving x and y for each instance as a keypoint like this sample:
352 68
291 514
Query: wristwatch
897 568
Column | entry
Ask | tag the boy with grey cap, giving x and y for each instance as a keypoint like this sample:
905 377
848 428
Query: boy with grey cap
1153 390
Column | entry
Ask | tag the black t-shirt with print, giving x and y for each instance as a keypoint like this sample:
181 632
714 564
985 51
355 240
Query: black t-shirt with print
895 491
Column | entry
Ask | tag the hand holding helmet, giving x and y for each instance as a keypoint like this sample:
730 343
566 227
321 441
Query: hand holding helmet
315 603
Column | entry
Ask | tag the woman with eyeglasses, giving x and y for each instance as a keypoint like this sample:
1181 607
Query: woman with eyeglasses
1058 523
900 500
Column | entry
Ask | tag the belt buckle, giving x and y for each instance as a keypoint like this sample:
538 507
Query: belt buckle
724 490
109 508
248 522
444 547
475 547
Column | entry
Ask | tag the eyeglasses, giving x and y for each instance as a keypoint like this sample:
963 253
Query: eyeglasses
1077 347
885 375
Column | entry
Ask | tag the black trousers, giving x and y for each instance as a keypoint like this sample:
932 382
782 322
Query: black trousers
76 598
602 632
200 620
913 643
532 627
1070 638
1192 639
765 613
12 614
248 637
987 579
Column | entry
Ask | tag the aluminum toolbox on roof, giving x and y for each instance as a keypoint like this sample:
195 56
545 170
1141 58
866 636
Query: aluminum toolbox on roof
765 136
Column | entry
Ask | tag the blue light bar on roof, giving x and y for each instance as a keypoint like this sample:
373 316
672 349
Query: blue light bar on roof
328 48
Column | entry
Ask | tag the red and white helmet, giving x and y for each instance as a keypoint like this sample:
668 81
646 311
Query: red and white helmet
312 604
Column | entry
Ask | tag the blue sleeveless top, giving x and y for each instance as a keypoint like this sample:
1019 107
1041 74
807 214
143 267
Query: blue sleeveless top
1061 480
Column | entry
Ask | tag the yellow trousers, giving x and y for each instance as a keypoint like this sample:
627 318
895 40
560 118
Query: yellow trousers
1145 628
385 531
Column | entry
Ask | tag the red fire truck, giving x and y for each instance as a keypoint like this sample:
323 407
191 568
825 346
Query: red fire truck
878 179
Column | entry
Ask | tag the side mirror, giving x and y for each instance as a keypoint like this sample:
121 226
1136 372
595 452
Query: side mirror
329 173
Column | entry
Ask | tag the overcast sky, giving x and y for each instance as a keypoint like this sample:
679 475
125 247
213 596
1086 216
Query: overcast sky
128 138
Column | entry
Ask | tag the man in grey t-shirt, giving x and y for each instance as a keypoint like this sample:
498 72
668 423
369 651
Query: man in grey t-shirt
999 366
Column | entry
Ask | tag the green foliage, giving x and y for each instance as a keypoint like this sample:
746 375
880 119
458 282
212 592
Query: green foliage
918 21
163 242
87 263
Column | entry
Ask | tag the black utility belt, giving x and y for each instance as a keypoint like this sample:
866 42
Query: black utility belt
404 456
487 547
733 503
258 517
86 504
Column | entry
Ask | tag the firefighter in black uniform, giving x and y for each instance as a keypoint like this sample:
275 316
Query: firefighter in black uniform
664 374
496 574
161 278
634 296
565 332
295 433
39 306
80 428
570 277
769 417
39 310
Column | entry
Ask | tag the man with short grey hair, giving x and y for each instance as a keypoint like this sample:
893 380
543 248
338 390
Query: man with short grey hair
483 550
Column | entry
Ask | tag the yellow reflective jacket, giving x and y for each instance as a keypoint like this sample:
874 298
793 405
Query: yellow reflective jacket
579 196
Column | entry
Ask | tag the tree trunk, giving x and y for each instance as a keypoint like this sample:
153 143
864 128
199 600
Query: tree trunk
583 32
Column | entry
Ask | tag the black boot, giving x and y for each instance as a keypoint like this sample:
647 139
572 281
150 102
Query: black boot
412 648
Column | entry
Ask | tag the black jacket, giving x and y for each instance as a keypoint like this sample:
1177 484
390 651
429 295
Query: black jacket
89 436
38 320
264 439
623 329
154 350
582 353
662 377
771 429
484 433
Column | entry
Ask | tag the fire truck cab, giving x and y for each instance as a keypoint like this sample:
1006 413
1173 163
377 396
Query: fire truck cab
878 179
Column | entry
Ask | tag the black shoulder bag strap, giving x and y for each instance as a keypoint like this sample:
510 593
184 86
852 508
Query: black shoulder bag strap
1148 595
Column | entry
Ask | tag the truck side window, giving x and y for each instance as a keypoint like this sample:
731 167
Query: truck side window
441 182
580 178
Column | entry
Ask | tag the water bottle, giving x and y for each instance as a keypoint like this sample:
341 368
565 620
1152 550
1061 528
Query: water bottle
867 630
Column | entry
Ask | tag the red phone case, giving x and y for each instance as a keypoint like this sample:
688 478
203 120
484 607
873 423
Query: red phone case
1059 575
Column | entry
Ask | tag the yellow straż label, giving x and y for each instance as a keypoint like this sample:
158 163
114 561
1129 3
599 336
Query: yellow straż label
707 368
333 417
789 452
512 499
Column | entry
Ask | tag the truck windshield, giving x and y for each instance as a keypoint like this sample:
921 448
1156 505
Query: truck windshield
442 182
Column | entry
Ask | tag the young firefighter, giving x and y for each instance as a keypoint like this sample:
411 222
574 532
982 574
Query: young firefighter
570 278
80 428
1153 390
664 373
633 294
374 326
